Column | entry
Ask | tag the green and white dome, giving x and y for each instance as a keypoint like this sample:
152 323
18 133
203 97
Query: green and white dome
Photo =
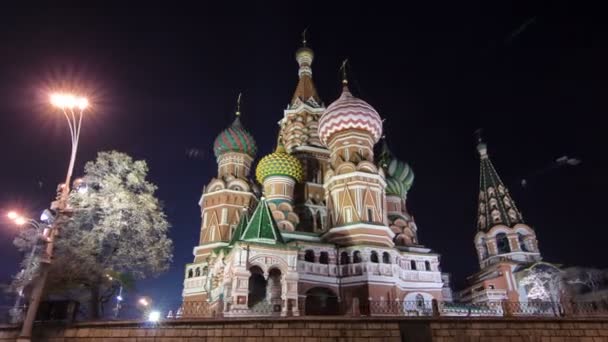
235 139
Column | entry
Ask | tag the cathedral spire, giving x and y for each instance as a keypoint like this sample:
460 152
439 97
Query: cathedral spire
306 91
496 207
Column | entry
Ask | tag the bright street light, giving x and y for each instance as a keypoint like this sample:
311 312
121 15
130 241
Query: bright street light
144 302
69 101
12 215
20 221
154 316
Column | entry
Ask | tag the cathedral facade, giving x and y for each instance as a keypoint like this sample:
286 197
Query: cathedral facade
327 229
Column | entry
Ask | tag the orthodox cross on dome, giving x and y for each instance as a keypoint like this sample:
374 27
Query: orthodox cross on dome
238 105
343 71
496 206
304 36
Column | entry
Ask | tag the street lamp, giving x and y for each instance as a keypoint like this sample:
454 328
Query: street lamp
72 106
16 311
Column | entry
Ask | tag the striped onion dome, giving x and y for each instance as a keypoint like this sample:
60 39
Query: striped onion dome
400 178
349 112
235 139
279 163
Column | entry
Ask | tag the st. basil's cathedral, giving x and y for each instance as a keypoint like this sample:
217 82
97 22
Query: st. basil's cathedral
329 231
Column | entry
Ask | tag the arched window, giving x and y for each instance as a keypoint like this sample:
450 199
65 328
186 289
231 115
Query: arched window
319 221
413 265
205 270
344 259
502 243
427 265
197 273
190 273
309 255
374 257
356 257
419 301
324 258
522 242
386 258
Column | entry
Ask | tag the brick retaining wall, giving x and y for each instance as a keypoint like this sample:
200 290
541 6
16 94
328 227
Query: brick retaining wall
329 329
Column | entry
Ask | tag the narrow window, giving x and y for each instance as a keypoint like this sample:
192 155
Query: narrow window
427 265
224 215
344 258
374 257
370 214
356 257
309 256
324 258
413 265
386 258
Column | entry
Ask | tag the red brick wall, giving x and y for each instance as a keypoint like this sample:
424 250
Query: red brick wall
331 329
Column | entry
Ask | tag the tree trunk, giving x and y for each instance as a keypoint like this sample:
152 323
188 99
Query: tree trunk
94 302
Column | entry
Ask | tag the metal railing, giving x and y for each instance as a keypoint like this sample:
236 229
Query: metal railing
396 308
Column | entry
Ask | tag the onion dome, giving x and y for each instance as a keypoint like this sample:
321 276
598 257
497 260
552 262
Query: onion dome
279 163
349 112
235 139
400 178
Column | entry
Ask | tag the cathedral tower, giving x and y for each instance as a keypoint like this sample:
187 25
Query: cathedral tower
299 134
354 185
505 245
502 233
222 203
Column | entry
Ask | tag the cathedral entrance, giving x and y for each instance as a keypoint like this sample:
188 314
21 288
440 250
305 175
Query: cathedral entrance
257 286
321 301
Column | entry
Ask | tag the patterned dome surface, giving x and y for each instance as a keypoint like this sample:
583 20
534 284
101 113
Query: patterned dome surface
279 163
349 112
235 139
400 178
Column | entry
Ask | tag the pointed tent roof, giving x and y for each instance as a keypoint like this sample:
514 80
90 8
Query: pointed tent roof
495 203
238 232
261 227
306 92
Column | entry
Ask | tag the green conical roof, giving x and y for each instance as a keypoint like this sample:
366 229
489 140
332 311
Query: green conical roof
495 203
262 227
238 232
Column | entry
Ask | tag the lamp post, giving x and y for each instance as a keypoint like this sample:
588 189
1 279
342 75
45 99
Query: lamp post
72 107
39 227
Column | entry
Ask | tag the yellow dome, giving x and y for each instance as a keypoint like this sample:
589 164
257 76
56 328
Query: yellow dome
279 163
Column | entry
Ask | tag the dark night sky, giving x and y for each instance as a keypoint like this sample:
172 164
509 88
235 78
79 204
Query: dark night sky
165 80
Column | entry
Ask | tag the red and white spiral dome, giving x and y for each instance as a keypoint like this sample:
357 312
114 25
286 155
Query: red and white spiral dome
349 112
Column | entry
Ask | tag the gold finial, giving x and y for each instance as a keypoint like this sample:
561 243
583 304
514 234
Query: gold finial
238 105
304 36
343 69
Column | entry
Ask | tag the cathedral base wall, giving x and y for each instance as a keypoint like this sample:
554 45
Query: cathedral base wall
327 329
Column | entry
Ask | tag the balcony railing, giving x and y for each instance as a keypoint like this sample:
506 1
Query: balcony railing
398 308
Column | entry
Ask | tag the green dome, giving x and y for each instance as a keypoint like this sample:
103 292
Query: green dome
279 163
235 139
394 187
400 178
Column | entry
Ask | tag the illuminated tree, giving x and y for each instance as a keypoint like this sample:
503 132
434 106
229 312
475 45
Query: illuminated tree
116 231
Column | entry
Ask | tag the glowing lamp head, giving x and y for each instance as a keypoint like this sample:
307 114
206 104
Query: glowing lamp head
20 221
12 215
119 298
69 101
143 301
154 316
